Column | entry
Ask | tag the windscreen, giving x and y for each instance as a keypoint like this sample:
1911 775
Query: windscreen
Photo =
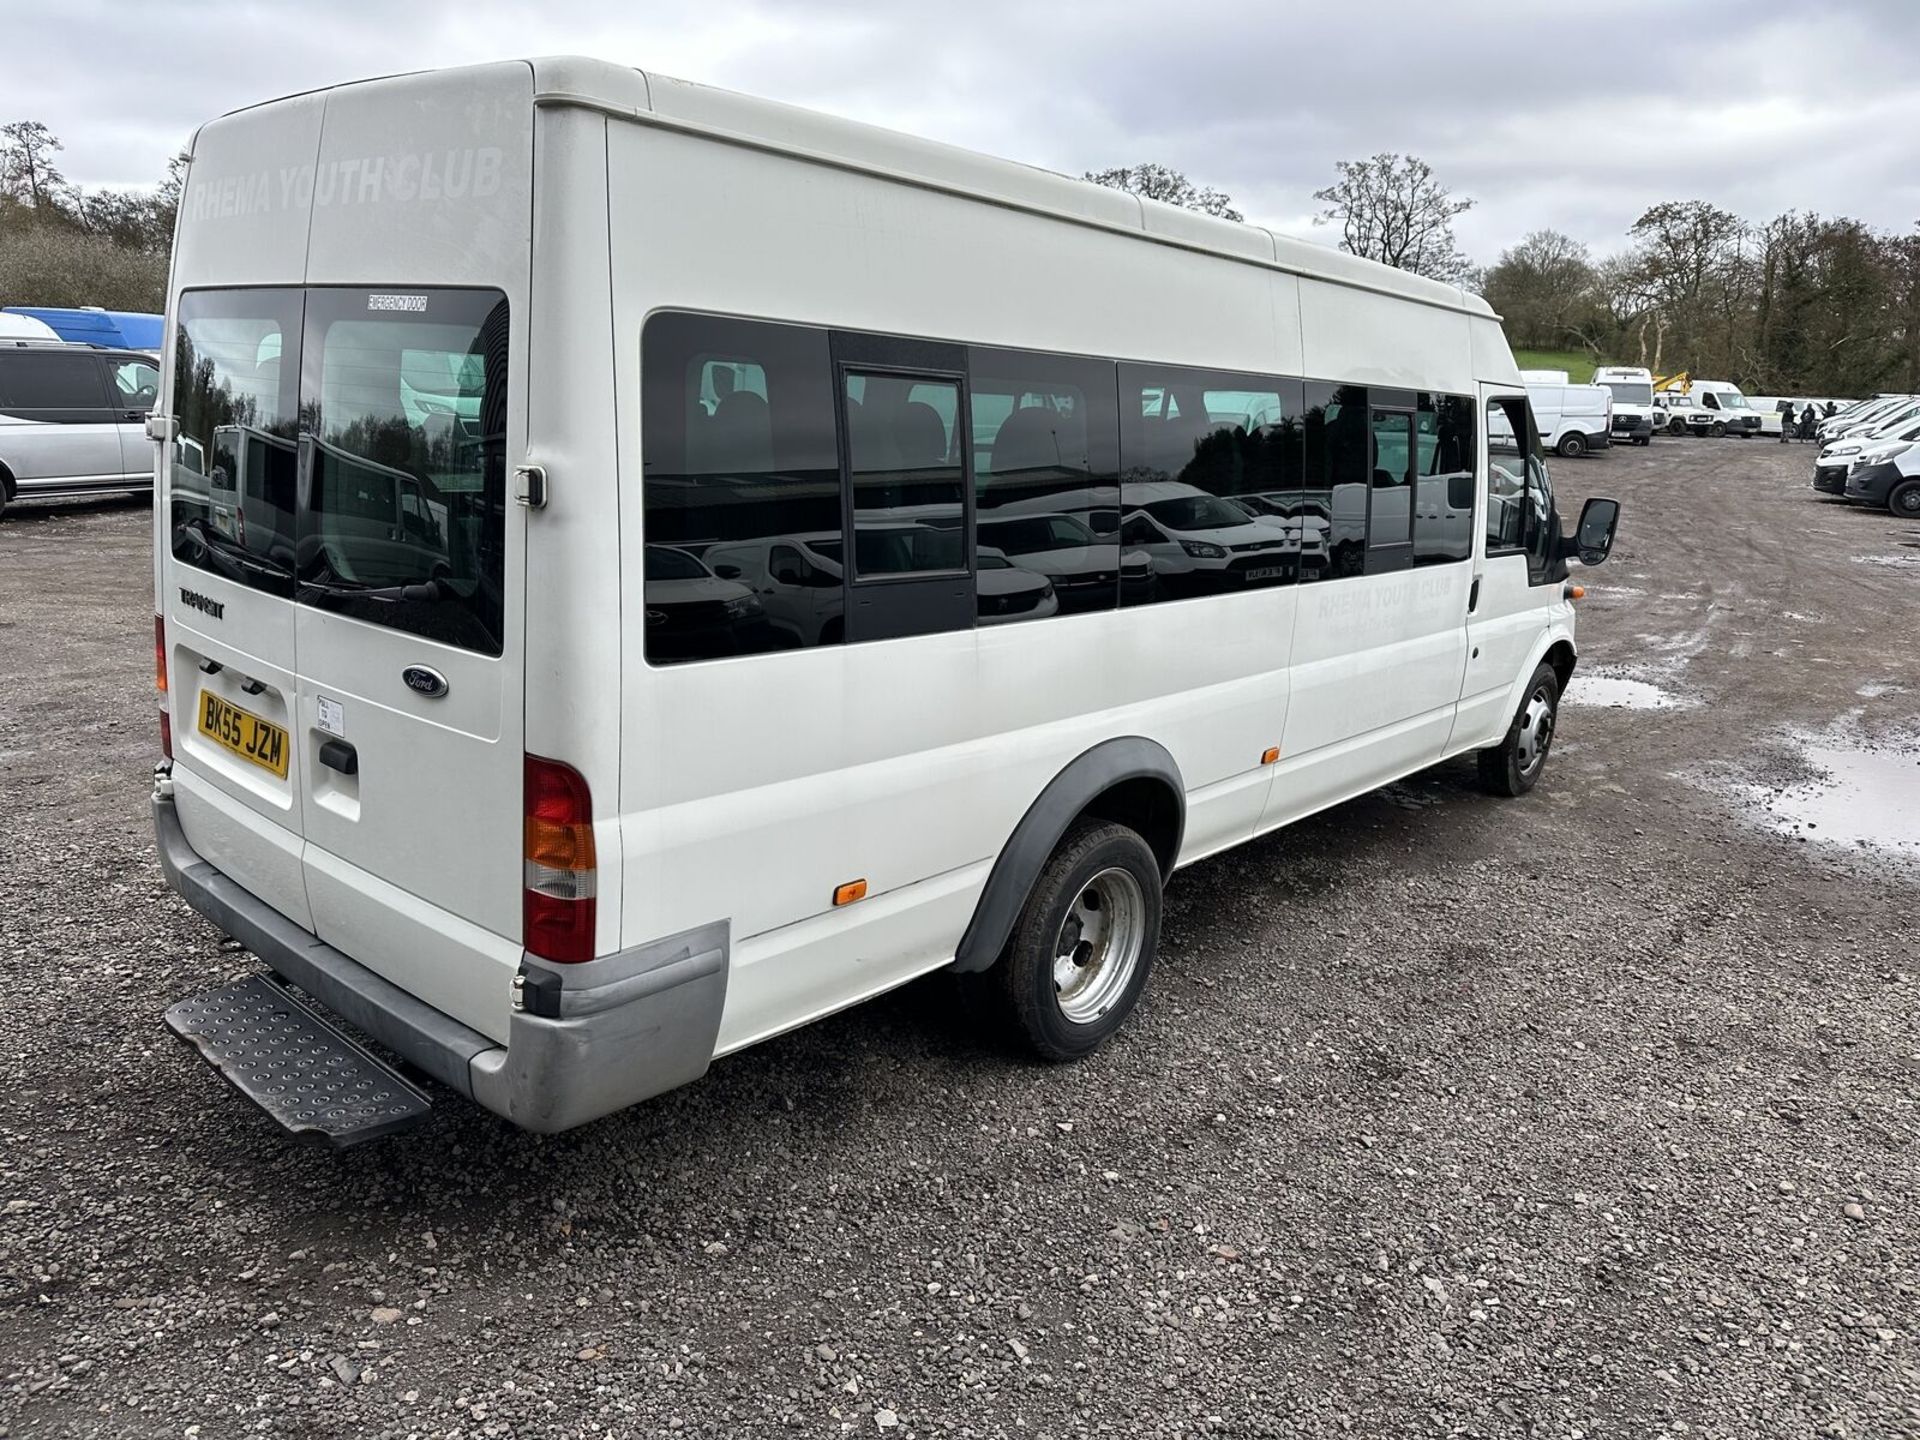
1630 392
347 448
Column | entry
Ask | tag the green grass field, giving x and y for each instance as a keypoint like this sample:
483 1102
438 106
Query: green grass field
1577 364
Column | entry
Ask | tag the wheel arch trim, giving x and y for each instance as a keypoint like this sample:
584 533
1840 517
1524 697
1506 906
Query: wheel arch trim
1069 795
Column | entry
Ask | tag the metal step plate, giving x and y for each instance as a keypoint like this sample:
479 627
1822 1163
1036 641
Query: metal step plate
288 1059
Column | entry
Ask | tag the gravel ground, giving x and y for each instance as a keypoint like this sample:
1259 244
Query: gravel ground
1587 1114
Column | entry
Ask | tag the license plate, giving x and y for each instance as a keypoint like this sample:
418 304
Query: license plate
1266 572
244 733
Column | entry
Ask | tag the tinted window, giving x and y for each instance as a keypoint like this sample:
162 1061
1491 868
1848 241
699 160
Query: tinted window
46 380
1443 499
1390 518
909 497
405 516
235 407
1046 475
739 451
1210 480
1338 446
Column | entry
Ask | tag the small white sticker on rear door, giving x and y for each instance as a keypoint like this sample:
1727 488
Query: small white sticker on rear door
333 716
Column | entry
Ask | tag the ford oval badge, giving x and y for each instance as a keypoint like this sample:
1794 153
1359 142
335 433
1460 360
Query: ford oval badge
423 681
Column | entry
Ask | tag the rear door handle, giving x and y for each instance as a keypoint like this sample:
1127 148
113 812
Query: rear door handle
339 755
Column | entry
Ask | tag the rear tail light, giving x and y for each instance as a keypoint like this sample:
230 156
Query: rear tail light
160 684
557 906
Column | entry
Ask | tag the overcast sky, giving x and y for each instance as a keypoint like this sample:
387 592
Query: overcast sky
1576 117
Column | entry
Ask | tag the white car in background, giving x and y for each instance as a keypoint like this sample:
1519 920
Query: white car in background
688 605
1078 563
1201 543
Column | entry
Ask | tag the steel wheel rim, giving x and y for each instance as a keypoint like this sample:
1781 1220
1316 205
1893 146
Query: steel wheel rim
1098 946
1909 501
1536 730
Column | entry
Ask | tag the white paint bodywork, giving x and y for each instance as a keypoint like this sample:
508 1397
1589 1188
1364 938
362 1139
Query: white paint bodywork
747 789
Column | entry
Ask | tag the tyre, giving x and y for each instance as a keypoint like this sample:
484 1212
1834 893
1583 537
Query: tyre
1719 430
1513 766
1643 440
1905 500
6 489
1572 445
1084 944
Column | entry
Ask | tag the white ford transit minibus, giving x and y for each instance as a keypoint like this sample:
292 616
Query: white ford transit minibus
606 644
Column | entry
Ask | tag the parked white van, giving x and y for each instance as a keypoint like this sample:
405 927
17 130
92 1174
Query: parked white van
1573 420
449 778
1632 390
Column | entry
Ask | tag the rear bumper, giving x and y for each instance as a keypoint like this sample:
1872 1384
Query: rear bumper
585 1040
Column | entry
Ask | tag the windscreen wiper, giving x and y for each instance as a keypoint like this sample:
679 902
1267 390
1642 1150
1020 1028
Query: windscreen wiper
220 547
391 594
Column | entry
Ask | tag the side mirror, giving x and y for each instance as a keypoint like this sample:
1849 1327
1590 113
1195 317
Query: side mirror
1593 539
727 572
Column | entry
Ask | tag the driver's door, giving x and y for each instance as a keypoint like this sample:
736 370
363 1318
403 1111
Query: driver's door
1512 590
133 383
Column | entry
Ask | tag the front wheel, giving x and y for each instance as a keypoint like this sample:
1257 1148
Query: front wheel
1719 430
1084 944
1905 500
1514 766
1572 446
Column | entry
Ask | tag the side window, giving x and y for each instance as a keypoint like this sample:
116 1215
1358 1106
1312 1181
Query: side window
738 451
136 383
1541 531
1710 400
1212 459
1338 448
1390 518
1443 498
49 386
909 497
1046 477
1506 474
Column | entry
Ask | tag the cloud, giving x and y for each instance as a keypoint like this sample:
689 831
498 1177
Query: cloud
1575 118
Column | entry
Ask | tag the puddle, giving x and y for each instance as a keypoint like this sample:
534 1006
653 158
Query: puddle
1616 692
1868 799
1874 689
1891 562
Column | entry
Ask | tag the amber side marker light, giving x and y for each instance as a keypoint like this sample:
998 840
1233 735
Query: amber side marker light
1269 755
1576 592
851 891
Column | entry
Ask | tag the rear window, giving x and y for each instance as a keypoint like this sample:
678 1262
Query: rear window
348 450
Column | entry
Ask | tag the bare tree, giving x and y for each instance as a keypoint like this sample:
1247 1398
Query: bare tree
27 170
1543 287
1162 182
1390 208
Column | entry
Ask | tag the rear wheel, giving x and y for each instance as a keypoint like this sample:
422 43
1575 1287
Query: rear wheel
6 488
1572 445
1084 944
1719 429
1905 500
1514 766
